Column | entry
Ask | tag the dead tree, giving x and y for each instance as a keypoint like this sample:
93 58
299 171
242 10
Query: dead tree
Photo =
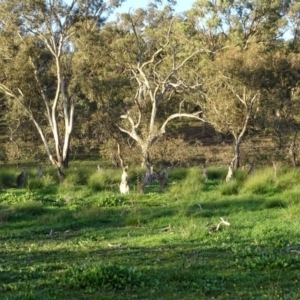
61 175
21 178
124 184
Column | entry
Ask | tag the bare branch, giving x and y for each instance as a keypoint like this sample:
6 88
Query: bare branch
178 115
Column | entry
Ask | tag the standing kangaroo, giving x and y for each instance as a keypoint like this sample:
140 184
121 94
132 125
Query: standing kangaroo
21 178
124 184
61 175
163 177
39 173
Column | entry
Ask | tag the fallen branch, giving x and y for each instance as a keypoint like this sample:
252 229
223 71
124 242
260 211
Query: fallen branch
222 222
114 246
168 228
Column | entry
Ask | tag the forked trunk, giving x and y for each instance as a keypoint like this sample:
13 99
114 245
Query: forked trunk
145 156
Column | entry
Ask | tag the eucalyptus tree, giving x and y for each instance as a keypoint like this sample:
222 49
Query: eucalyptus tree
233 92
37 59
240 22
154 51
247 31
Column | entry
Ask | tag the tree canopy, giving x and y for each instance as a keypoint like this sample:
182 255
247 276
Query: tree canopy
83 82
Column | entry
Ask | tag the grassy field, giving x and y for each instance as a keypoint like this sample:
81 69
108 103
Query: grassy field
83 240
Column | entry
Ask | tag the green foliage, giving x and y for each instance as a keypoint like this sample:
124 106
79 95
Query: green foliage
263 182
111 200
229 188
7 178
192 183
275 203
73 242
35 184
103 276
29 208
102 180
133 219
216 173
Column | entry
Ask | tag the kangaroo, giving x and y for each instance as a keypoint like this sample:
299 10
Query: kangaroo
163 177
204 171
124 185
149 177
39 173
61 175
229 174
251 170
21 178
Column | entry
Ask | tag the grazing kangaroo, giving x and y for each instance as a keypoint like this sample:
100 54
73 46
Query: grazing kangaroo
61 175
21 178
124 184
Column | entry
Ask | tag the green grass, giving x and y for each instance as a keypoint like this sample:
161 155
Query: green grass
83 240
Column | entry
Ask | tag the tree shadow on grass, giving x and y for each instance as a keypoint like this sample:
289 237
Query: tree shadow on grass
191 268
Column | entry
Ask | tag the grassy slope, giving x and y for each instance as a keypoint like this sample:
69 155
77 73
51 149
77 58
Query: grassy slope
82 240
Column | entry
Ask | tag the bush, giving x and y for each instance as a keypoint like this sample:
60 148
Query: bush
111 200
7 179
229 188
32 208
35 184
107 276
275 203
192 183
262 182
216 173
103 180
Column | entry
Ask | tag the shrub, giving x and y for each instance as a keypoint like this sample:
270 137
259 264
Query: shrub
287 180
72 179
48 180
7 179
216 173
229 188
32 208
193 183
103 180
34 184
111 200
262 182
99 276
275 203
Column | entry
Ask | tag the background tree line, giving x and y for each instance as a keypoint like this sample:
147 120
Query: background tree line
161 84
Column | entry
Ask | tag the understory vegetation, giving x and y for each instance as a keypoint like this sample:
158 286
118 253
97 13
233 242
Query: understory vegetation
199 239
